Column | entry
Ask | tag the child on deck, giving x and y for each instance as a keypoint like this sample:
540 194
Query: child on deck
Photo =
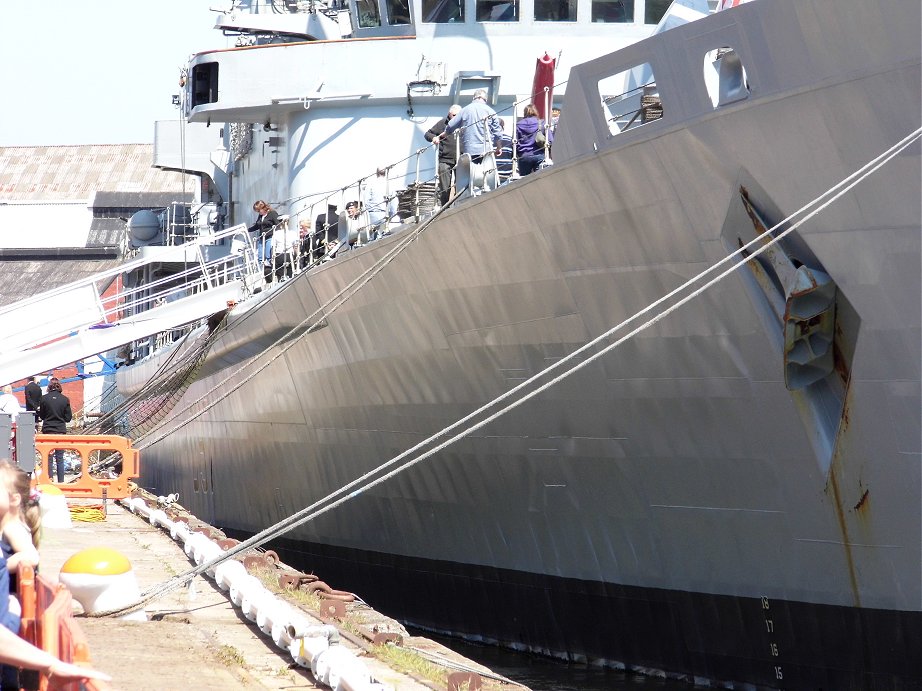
13 649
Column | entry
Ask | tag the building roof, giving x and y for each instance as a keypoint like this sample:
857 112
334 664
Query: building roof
71 173
63 210
23 277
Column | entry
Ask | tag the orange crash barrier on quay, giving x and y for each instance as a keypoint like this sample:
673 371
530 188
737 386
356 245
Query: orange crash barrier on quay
48 623
93 449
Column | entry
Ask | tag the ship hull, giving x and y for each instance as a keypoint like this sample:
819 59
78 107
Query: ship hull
770 643
670 506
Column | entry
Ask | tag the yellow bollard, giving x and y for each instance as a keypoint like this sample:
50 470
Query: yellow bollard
53 504
101 579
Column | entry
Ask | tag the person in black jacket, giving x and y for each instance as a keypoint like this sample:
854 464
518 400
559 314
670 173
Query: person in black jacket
54 411
265 224
33 393
448 152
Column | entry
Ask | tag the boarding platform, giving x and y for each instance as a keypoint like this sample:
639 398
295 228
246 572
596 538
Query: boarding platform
101 312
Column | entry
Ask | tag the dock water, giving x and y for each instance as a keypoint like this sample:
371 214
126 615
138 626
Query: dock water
194 636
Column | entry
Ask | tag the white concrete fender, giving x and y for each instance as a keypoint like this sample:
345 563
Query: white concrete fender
281 629
303 650
158 517
194 544
255 599
140 507
180 531
358 682
242 585
355 670
280 635
209 551
227 572
270 612
332 663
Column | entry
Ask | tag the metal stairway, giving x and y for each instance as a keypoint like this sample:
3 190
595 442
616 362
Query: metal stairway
97 314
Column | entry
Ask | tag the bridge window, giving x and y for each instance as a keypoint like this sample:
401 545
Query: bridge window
497 10
398 12
630 98
204 83
443 11
555 10
368 16
655 10
608 11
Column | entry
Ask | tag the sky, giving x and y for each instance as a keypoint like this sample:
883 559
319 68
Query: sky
96 71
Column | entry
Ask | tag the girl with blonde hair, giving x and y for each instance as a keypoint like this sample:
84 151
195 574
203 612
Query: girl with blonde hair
14 650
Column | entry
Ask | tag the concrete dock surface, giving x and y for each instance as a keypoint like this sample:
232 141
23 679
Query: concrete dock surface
195 637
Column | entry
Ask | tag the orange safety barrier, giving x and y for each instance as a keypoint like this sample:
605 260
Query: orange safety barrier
87 485
48 623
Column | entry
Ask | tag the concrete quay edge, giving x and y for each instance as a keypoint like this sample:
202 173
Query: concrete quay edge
195 637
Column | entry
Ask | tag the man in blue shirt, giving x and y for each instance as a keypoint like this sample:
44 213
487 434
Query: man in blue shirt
480 128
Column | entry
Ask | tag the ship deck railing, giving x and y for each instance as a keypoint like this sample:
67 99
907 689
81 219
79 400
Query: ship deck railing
162 288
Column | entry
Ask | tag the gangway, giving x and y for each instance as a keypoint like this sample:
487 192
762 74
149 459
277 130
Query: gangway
75 321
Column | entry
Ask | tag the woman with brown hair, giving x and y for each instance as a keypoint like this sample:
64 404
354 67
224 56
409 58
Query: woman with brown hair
530 140
266 220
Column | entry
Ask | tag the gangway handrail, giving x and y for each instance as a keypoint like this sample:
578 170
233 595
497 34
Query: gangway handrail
127 304
202 240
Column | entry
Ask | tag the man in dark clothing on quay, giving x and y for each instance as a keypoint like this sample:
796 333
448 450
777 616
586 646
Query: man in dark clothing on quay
448 152
54 410
33 395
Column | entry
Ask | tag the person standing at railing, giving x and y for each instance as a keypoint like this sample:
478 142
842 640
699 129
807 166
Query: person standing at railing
304 243
381 209
266 220
286 246
9 405
448 152
33 393
326 233
504 164
531 140
54 411
480 129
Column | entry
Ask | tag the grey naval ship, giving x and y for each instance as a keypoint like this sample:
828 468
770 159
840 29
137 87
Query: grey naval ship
684 358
